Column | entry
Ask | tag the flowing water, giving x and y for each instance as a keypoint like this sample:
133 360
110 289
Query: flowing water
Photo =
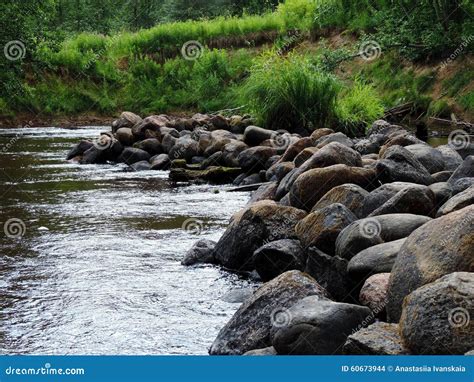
90 255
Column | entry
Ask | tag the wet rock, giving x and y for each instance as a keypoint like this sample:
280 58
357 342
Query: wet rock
251 228
350 195
79 149
462 184
251 179
264 192
397 164
94 155
428 156
331 154
295 148
382 127
376 259
212 174
439 247
379 338
202 252
436 318
331 273
231 152
255 135
265 351
451 158
375 230
415 200
277 257
131 155
374 293
160 162
304 194
152 123
250 326
399 138
151 145
465 170
322 227
124 136
370 145
317 326
143 165
126 119
457 202
167 142
254 158
213 160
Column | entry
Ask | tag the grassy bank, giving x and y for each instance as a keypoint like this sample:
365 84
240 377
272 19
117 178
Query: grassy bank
303 65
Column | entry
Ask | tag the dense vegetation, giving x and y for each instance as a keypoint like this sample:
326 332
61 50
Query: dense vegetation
278 62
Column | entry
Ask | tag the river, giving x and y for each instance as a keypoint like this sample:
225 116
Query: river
90 255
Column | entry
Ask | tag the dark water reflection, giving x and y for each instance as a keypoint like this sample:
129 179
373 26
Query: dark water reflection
97 270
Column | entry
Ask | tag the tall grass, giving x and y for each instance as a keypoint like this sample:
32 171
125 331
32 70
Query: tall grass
290 93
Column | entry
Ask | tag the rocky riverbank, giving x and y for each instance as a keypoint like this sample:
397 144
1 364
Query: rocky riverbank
365 245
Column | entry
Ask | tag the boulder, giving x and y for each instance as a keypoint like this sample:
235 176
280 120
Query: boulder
295 148
231 151
167 142
127 119
124 136
304 155
373 294
202 252
382 194
255 135
441 246
151 145
264 192
79 149
436 317
397 164
350 195
335 137
317 326
465 170
254 158
184 148
375 230
322 227
318 133
376 259
131 155
370 145
277 257
143 165
399 138
442 176
383 128
415 200
311 186
251 179
279 170
160 162
457 202
379 338
451 158
462 184
252 227
250 326
442 192
152 123
212 174
428 156
331 273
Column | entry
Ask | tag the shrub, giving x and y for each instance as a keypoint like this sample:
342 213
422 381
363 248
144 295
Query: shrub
289 93
298 13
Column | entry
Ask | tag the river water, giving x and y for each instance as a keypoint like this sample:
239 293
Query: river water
90 255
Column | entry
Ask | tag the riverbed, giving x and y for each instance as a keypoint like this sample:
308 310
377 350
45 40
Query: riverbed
90 255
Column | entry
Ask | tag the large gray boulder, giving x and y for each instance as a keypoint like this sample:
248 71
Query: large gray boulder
375 230
350 195
184 148
457 202
202 252
252 227
131 155
428 156
451 158
437 318
255 135
277 257
250 326
254 159
465 170
377 259
316 326
439 247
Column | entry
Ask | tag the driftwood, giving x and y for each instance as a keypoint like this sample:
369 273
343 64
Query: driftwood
469 127
400 110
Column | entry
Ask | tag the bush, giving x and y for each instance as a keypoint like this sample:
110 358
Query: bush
358 107
289 93
298 13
